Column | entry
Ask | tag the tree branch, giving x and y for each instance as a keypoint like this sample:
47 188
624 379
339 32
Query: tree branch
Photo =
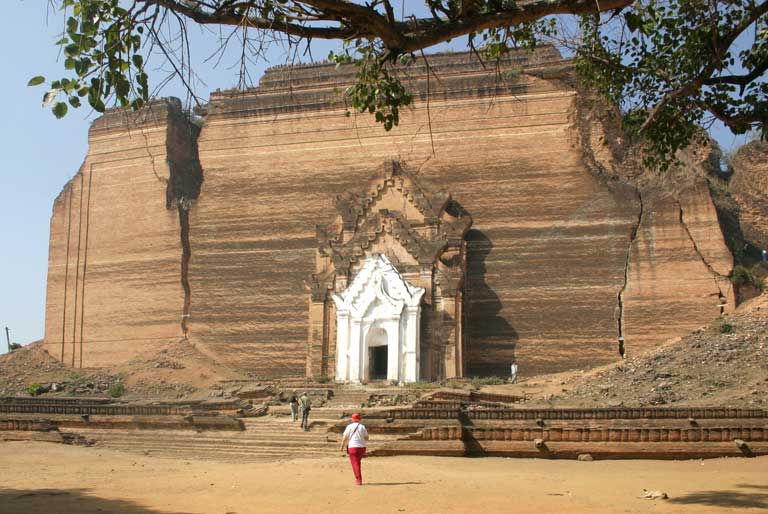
725 43
740 80
230 17
355 20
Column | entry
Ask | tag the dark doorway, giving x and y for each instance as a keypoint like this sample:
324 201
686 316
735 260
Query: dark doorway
377 363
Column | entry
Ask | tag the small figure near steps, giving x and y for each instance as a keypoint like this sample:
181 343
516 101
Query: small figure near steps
293 402
305 405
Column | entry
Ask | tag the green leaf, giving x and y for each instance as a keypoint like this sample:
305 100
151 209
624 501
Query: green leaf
634 21
50 96
122 87
59 109
72 24
36 81
71 50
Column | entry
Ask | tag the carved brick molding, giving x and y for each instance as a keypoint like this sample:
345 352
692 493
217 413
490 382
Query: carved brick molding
421 233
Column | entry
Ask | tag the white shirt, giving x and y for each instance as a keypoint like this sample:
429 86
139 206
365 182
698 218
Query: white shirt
356 435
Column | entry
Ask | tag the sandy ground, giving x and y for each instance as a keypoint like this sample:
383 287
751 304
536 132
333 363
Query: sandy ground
55 479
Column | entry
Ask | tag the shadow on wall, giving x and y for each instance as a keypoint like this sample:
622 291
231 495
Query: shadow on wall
73 501
490 339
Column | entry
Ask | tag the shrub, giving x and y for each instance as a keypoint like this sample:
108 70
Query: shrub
420 385
726 328
15 346
486 381
35 389
453 384
742 275
116 390
323 380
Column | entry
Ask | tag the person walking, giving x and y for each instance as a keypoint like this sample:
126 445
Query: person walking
293 402
305 405
355 440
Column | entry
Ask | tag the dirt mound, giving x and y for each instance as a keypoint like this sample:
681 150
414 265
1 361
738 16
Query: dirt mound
20 368
176 370
723 364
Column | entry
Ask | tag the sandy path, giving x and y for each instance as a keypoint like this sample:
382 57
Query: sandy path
55 479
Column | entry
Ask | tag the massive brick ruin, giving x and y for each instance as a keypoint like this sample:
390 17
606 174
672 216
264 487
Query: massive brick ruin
172 231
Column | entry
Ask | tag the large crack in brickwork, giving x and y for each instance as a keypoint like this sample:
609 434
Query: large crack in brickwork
183 188
186 254
627 259
712 270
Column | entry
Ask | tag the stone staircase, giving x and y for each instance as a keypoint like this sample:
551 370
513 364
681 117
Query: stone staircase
271 437
267 437
349 397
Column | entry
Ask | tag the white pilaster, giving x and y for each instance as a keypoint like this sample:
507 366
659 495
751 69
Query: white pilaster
411 346
355 360
342 345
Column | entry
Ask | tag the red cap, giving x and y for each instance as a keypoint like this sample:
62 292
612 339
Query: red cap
355 417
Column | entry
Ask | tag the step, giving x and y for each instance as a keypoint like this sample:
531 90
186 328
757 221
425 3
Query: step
197 450
253 438
216 445
328 448
224 456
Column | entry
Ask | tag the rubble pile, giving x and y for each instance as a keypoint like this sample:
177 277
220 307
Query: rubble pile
19 368
724 364
392 400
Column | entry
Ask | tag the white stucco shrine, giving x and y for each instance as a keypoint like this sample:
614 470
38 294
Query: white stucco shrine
387 292
378 325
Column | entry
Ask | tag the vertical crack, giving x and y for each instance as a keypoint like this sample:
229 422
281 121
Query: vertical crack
712 271
185 177
620 295
186 253
183 188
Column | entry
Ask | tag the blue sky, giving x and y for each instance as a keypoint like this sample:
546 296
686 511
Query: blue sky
39 153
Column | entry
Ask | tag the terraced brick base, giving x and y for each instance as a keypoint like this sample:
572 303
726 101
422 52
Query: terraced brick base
436 426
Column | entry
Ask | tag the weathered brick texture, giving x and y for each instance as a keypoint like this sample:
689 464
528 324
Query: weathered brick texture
546 254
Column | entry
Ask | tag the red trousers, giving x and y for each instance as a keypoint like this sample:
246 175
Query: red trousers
355 456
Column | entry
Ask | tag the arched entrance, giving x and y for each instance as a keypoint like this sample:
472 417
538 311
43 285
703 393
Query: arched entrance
377 344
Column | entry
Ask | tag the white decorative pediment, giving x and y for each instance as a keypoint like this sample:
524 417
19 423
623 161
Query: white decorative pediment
377 283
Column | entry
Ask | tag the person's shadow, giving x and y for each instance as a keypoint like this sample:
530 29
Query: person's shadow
392 483
490 339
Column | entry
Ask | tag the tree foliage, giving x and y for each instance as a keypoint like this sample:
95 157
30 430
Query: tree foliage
674 66
671 65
